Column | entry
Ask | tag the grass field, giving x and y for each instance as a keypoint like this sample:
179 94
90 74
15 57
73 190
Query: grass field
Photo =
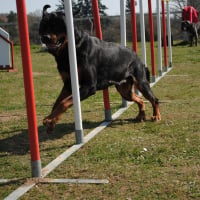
141 160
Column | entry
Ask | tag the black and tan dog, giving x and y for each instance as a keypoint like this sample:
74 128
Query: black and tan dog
100 65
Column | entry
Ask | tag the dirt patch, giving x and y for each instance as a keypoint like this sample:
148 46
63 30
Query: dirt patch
5 117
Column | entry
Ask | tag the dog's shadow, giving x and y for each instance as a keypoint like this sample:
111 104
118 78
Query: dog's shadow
18 144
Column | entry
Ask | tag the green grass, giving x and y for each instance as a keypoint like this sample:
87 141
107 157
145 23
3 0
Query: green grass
140 160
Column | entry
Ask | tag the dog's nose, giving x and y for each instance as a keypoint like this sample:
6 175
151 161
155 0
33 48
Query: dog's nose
46 39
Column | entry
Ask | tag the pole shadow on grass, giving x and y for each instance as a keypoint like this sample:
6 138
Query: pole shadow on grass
18 144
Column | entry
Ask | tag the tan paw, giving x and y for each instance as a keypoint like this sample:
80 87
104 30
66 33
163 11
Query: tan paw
156 118
50 125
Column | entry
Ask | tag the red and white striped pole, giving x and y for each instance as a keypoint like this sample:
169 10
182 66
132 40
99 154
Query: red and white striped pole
97 24
29 90
152 41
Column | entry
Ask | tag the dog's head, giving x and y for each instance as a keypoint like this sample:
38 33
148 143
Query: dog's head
52 29
185 25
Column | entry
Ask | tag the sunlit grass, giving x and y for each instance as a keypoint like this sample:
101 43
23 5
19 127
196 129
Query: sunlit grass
140 160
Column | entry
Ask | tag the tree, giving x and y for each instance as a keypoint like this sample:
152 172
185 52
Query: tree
128 6
194 3
83 8
33 23
60 7
178 5
12 28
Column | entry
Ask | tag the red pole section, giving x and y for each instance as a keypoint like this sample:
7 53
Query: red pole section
152 41
164 35
134 29
97 25
12 53
28 84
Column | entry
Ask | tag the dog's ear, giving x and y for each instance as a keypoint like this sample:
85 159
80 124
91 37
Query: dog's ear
44 12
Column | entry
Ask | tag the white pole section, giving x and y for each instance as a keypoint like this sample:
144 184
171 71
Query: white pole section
169 35
123 22
73 71
159 39
142 27
123 33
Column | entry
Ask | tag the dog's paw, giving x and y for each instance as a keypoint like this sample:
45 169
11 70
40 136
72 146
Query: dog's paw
141 117
156 118
50 125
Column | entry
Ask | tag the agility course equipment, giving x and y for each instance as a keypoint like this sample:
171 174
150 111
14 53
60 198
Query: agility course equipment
73 72
29 88
123 34
164 37
159 38
6 52
39 174
169 35
97 25
142 31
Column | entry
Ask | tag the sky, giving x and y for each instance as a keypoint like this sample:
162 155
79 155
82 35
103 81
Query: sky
36 5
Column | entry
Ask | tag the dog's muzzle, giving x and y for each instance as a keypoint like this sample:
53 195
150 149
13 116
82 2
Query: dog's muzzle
46 39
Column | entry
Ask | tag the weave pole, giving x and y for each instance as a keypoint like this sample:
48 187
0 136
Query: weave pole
159 38
164 36
142 28
73 72
123 35
29 90
169 34
152 41
134 29
97 24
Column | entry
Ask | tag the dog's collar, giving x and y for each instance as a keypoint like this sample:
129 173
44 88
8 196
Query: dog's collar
62 46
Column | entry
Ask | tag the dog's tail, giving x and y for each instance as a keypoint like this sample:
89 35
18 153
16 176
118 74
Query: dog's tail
147 74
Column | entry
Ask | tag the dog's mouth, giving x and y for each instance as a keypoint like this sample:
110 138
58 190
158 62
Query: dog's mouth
53 42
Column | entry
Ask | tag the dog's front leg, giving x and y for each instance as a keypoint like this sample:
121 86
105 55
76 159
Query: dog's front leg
55 115
63 105
63 94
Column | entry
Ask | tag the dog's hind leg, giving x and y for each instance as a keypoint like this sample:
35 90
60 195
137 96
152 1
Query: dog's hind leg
145 89
127 91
